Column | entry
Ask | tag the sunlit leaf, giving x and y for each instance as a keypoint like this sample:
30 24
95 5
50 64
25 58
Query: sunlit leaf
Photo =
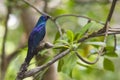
84 29
43 52
70 35
69 63
61 47
96 43
108 64
76 36
110 52
76 45
56 36
60 64
62 41
94 27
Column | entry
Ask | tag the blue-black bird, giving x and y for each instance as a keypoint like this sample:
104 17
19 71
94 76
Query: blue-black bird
36 36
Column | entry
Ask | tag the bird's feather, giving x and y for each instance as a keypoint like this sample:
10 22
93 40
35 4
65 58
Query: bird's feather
36 36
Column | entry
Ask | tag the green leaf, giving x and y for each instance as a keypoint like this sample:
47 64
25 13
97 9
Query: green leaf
61 47
110 52
84 29
90 28
76 45
96 43
94 27
67 63
108 64
70 35
43 52
76 37
62 41
60 64
56 36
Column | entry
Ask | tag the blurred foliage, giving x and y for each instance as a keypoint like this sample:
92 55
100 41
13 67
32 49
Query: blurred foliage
69 67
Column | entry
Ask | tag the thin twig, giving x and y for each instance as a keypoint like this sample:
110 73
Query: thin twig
109 16
106 26
5 34
37 69
96 35
23 68
85 61
114 29
103 30
84 65
105 38
3 62
106 33
58 27
43 13
40 68
111 11
68 15
75 15
39 11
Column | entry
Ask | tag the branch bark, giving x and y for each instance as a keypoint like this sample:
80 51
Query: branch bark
38 69
109 16
102 32
3 62
24 66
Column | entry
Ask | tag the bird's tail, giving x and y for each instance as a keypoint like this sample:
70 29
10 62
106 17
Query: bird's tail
29 56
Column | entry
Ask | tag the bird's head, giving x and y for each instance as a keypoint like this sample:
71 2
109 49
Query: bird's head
44 18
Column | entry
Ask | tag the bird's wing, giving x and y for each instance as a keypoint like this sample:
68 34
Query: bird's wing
36 36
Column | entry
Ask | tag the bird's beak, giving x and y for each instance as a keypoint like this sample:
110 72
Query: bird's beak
48 17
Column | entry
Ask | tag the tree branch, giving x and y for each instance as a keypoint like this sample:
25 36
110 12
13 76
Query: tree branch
106 26
75 15
43 13
97 35
39 11
104 29
37 69
5 33
23 68
62 54
85 61
3 62
109 16
111 11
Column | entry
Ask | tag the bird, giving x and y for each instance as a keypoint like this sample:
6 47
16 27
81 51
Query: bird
35 37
